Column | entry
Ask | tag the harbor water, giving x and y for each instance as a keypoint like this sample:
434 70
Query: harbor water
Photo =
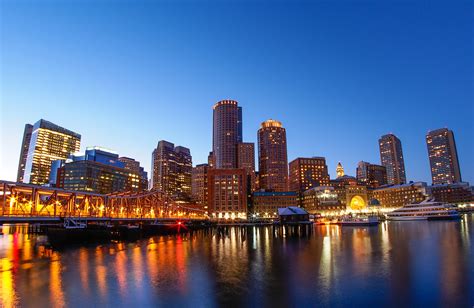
415 263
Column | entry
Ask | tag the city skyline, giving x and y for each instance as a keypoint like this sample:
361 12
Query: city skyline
130 115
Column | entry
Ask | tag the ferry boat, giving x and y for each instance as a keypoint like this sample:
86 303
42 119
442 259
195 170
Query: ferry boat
360 221
425 210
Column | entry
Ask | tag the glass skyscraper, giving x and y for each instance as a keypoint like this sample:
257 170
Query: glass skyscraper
49 142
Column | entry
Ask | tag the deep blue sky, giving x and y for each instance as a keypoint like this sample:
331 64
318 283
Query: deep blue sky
338 74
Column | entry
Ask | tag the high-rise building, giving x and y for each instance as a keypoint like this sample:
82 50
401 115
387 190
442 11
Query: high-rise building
25 144
227 193
240 135
134 166
246 161
371 175
172 168
391 157
226 133
199 185
306 173
443 157
272 156
49 142
339 170
97 170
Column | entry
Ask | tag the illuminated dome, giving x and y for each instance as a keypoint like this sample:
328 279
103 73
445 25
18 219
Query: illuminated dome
357 203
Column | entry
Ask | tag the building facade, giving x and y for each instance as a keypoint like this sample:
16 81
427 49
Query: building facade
226 134
456 193
391 157
266 204
272 156
227 193
97 170
246 161
25 145
172 168
371 175
134 166
399 195
49 142
306 173
199 185
443 157
322 200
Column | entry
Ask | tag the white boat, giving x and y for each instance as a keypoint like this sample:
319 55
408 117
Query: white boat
425 210
360 221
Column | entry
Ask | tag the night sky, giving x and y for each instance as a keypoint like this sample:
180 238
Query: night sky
338 74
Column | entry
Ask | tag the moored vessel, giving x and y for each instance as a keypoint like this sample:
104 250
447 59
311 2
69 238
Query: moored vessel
425 210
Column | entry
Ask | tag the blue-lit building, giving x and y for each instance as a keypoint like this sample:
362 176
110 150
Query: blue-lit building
98 170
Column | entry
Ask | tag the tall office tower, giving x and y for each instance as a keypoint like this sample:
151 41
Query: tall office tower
25 144
391 157
306 173
240 136
172 168
225 134
134 166
246 161
49 142
371 175
339 170
199 184
443 157
227 193
272 156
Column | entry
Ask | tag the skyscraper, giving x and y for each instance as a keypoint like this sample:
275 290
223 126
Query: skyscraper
49 142
272 156
172 168
391 157
246 161
199 184
443 157
306 173
227 131
25 144
371 175
134 166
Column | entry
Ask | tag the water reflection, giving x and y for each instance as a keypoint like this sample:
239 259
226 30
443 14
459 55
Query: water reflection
420 263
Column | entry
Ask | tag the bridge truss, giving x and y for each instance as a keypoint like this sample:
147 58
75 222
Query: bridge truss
26 200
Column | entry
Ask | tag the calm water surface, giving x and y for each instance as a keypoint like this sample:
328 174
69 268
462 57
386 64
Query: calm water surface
397 263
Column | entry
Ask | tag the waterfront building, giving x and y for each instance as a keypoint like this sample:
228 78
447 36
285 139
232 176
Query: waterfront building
49 142
456 193
98 170
227 193
292 214
339 170
443 157
265 204
391 157
400 195
134 166
322 200
246 161
25 145
172 168
371 175
199 185
226 134
306 173
272 156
